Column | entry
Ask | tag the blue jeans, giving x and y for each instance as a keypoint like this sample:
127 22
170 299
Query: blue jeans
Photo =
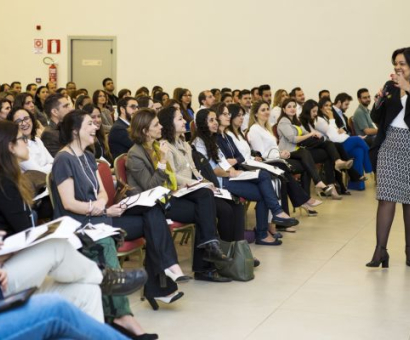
48 316
261 191
357 148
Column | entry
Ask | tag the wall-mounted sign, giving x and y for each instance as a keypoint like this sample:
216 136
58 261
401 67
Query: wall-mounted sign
38 46
53 46
91 62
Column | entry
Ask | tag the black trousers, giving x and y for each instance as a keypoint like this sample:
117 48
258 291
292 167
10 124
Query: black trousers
231 220
151 224
308 162
321 156
197 207
305 178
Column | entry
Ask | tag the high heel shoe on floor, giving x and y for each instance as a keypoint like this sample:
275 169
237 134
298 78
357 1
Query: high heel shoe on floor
176 278
324 192
306 208
315 204
165 299
383 259
335 195
131 335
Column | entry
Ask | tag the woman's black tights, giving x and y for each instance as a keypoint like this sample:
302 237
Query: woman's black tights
385 216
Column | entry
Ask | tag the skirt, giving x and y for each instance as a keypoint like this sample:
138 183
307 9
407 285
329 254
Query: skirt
393 167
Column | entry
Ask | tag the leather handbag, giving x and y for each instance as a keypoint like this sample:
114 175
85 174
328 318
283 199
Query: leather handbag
241 268
312 142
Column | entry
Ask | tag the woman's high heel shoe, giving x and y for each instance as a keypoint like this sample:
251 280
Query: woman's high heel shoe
343 165
383 258
324 192
335 195
307 209
174 277
165 299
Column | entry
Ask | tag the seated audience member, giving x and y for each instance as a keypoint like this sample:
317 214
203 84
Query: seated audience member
340 106
291 133
227 98
262 139
217 95
4 87
278 98
246 102
25 101
81 101
48 316
231 223
324 93
32 89
100 148
185 100
320 117
71 90
39 157
57 258
156 89
16 87
206 99
56 107
145 102
10 95
235 96
79 193
51 87
100 99
118 138
157 105
265 93
259 189
142 91
363 124
299 96
108 85
148 167
255 94
5 108
123 94
162 97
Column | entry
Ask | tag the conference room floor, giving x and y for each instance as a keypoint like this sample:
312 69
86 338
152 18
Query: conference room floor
314 286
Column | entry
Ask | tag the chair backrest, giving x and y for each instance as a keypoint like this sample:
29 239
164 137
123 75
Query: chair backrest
106 177
50 192
120 170
192 127
275 132
350 122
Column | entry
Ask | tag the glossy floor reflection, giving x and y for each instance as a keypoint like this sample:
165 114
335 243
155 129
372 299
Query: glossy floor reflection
314 286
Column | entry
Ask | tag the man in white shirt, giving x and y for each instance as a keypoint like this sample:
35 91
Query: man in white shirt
245 100
206 99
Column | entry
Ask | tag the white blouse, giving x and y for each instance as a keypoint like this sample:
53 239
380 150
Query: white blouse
330 130
263 141
399 120
39 157
274 115
242 145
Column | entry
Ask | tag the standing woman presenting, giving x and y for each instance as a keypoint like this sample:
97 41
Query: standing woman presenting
391 147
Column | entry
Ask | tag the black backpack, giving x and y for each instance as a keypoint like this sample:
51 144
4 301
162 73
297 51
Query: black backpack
203 166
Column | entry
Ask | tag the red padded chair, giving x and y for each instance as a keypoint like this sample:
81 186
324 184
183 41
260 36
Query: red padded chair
129 247
120 170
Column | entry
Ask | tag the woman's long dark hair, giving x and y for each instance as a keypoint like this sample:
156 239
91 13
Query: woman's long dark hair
294 120
305 116
37 101
166 119
100 134
202 131
184 111
322 103
235 110
9 167
72 121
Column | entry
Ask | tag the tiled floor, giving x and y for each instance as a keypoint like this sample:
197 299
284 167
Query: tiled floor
314 286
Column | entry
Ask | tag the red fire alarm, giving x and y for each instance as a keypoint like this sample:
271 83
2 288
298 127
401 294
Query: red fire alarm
53 46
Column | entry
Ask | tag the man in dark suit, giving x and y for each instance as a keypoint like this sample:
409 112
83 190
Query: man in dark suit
56 107
118 139
340 106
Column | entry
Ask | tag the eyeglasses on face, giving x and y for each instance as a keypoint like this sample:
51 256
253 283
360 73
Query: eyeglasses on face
21 121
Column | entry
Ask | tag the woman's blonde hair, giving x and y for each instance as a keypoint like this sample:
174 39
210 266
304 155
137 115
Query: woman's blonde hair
254 120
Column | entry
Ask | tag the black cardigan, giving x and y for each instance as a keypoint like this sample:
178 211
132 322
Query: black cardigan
14 214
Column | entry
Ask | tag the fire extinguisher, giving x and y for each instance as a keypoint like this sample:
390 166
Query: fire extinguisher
52 69
52 73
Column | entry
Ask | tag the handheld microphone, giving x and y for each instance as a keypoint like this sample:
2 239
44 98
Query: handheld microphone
386 90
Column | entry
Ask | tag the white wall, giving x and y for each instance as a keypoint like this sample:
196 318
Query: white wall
340 45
